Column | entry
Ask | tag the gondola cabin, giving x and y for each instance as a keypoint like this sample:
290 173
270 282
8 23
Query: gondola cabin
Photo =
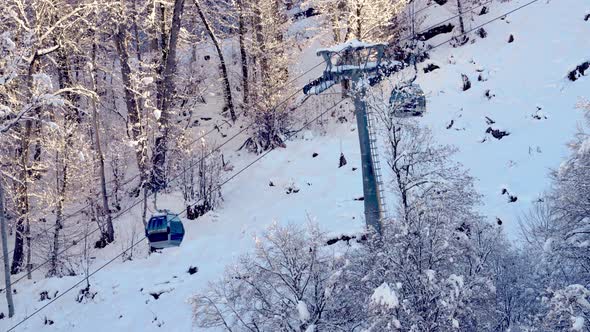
408 100
164 230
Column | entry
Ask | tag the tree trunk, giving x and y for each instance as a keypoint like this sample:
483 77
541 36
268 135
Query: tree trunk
460 9
135 34
19 243
283 70
71 119
163 48
131 102
65 81
167 91
152 29
243 55
8 289
109 237
259 35
28 237
359 26
335 27
22 195
462 39
61 185
144 209
226 85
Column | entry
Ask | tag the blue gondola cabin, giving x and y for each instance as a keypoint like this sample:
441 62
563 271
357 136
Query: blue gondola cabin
164 230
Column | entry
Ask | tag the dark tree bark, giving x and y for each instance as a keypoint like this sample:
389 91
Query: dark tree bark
167 90
61 183
359 26
263 58
135 33
462 39
109 236
283 70
133 112
460 9
22 195
7 281
163 48
243 54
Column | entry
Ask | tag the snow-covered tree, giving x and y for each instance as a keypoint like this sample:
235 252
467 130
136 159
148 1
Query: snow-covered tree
268 49
568 238
291 283
431 253
431 270
569 309
557 231
366 20
42 31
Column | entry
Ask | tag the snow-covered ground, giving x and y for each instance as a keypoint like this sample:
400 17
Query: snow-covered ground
326 194
531 99
550 38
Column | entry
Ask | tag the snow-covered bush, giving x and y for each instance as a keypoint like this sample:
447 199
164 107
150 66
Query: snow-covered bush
198 167
268 131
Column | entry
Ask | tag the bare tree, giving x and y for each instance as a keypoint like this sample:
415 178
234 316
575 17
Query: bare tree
37 46
242 31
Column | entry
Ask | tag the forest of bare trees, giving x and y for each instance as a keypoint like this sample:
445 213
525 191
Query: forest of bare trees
98 100
95 109
98 113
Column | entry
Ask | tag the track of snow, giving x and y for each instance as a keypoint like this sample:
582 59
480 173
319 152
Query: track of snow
550 39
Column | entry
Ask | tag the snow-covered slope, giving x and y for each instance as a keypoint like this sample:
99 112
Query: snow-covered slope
326 194
549 40
531 99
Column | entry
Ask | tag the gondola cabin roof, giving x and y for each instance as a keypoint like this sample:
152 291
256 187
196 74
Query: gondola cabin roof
353 44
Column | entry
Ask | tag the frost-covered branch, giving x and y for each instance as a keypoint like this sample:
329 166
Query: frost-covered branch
18 117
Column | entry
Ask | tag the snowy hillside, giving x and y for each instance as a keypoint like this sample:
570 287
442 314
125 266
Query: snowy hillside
523 90
530 98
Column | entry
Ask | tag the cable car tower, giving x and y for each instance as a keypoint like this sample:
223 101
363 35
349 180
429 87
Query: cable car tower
360 63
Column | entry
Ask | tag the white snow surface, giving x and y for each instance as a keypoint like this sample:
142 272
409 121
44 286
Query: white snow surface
385 296
577 323
530 72
351 44
303 312
522 75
